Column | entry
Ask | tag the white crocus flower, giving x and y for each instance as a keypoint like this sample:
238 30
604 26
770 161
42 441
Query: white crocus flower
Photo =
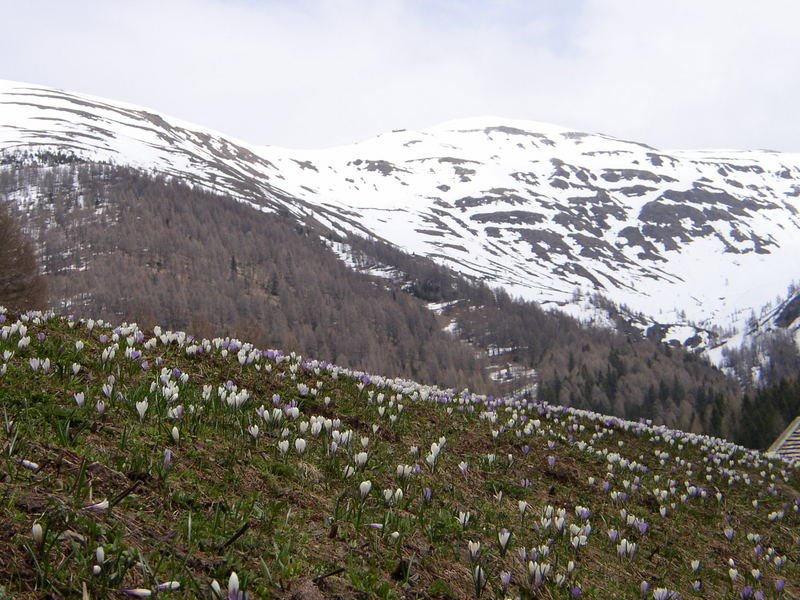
141 408
364 489
360 459
474 549
463 518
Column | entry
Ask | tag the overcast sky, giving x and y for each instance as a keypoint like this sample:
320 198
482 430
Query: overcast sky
317 73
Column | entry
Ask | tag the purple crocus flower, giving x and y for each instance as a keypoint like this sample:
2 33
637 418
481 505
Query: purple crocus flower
505 580
167 458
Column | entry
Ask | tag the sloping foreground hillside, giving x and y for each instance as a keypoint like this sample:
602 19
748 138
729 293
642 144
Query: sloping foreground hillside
151 463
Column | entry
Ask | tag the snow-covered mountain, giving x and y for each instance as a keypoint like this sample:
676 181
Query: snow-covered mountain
698 238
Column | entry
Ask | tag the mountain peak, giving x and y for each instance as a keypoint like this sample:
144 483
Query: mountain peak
490 123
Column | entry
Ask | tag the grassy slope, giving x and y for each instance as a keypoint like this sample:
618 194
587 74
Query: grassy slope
228 502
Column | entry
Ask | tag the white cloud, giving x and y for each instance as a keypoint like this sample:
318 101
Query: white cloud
317 73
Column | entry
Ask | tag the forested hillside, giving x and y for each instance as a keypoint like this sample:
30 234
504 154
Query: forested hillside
769 410
598 368
122 245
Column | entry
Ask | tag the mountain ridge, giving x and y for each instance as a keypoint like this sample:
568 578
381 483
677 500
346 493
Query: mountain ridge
547 215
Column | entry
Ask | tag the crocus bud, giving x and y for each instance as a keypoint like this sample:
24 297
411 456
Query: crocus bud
503 537
97 507
479 579
38 534
505 580
168 585
364 488
360 459
233 584
167 458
